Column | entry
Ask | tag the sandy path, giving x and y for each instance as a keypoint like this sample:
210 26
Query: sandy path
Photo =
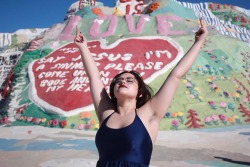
48 147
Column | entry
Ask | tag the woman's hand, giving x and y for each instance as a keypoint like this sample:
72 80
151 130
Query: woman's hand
80 39
202 33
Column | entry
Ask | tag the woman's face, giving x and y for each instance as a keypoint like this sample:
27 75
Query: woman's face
126 85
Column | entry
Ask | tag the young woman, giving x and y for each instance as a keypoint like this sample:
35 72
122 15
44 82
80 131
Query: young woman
130 117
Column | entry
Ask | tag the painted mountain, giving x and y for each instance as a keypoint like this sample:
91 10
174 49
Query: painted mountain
43 81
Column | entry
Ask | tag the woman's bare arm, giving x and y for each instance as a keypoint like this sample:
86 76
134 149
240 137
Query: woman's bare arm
99 95
161 101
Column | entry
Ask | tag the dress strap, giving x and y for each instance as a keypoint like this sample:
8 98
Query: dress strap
106 119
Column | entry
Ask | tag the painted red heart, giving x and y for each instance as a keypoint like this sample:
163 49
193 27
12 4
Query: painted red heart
59 83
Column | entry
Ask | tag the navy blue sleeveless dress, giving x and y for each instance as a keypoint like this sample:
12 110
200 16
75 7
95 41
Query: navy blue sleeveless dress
130 146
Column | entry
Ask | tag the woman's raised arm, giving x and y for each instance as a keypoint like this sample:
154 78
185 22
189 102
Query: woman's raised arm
161 101
99 95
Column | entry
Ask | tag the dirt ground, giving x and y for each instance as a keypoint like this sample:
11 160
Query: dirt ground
37 146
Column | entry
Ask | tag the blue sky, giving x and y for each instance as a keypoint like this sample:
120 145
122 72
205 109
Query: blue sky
23 14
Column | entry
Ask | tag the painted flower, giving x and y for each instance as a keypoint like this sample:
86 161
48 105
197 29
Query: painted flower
204 69
29 119
212 104
214 117
55 122
63 123
225 94
217 90
223 105
4 120
213 77
237 95
38 120
213 86
97 11
189 85
223 119
173 114
21 118
33 120
191 96
197 89
49 122
72 126
85 116
244 100
237 119
24 118
221 69
198 67
230 119
179 114
43 120
17 116
207 120
180 117
231 106
87 126
209 80
175 124
96 126
232 95
239 92
92 122
80 126
167 114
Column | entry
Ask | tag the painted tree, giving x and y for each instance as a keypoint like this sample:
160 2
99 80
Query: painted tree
245 112
193 120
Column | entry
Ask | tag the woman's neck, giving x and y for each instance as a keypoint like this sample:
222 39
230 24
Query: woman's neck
126 107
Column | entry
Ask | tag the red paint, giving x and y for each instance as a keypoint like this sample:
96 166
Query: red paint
124 1
193 120
127 9
67 100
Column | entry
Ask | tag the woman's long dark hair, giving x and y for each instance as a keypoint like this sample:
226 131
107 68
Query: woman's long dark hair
145 92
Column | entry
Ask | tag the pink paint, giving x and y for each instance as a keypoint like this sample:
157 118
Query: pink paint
66 34
94 29
163 26
139 26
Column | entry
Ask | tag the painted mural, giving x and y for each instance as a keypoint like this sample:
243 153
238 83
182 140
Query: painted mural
43 81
